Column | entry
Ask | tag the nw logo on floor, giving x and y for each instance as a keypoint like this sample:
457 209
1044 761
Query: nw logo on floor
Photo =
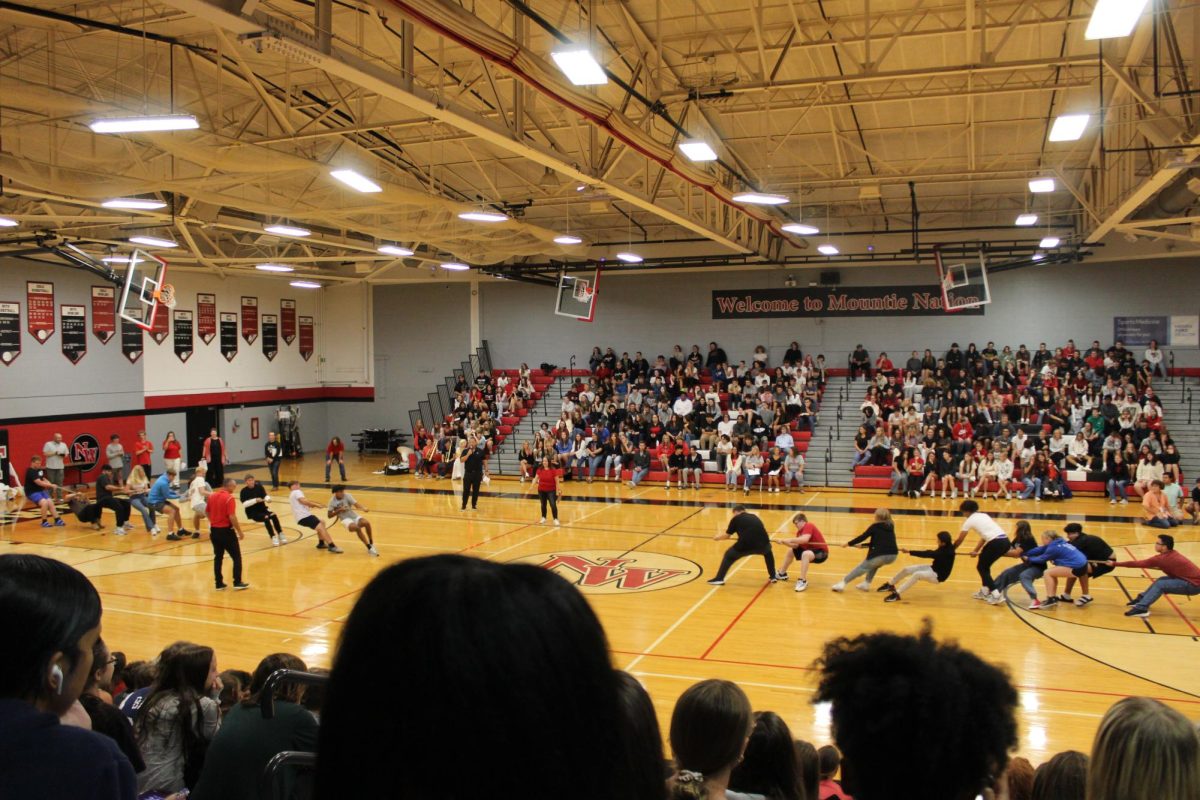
614 571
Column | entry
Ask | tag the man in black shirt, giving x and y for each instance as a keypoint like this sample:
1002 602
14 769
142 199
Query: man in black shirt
752 539
254 500
1096 549
472 459
106 484
860 361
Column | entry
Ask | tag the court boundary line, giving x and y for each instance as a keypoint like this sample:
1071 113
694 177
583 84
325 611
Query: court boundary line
1167 597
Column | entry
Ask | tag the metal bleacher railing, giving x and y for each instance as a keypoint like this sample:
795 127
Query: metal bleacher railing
301 763
439 403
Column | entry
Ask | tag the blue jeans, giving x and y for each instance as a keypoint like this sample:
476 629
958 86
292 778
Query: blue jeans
138 501
869 568
341 468
594 464
1116 489
1164 585
1033 486
1012 575
1162 522
899 482
639 475
861 458
273 468
613 461
750 480
731 478
798 477
1028 575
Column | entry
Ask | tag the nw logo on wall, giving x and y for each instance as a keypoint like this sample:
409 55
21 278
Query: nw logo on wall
617 572
85 451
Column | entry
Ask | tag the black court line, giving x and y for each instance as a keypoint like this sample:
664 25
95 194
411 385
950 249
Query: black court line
1128 596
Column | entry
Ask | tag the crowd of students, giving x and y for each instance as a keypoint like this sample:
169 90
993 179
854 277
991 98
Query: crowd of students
512 657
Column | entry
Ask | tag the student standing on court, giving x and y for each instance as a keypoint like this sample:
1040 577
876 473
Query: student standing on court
215 457
472 461
881 551
343 506
937 572
55 454
114 453
752 540
548 489
1180 576
302 512
173 456
993 544
143 449
808 546
225 532
255 499
274 453
335 451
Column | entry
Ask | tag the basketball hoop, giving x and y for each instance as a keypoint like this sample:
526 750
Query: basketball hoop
166 295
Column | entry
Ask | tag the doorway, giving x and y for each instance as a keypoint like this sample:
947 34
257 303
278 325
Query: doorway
200 421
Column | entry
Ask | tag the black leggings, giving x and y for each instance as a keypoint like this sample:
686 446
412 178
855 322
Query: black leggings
471 484
270 520
992 552
552 499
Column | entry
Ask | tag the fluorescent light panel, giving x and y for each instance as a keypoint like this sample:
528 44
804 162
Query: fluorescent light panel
274 267
1025 220
357 182
160 122
1114 18
287 230
455 266
305 285
152 241
580 67
115 259
1041 185
800 229
827 249
395 250
698 150
1038 256
7 222
1068 127
483 216
760 199
630 258
134 203
567 239
1049 242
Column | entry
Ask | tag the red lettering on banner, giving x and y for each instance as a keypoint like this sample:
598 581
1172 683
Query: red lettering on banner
104 313
250 319
611 570
40 313
206 317
287 320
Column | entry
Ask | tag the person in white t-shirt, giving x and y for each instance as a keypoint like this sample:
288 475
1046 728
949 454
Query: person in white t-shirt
198 492
344 507
993 544
302 512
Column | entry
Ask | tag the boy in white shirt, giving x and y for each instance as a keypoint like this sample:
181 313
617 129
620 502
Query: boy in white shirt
344 507
302 512
198 492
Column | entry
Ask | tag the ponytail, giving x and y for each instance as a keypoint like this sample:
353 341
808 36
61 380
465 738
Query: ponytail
687 785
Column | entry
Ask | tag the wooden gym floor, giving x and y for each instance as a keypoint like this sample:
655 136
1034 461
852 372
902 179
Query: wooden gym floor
642 557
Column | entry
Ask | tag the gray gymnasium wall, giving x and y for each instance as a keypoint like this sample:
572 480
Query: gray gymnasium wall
313 430
42 382
654 312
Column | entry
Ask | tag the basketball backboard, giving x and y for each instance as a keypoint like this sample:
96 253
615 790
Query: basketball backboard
964 285
145 274
576 297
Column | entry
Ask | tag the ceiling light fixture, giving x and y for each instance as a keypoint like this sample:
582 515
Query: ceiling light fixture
357 182
1026 220
580 66
800 229
134 203
305 284
152 241
827 249
1038 256
1114 18
760 199
395 250
698 150
115 259
287 230
483 216
567 239
8 222
274 268
455 266
1049 242
1041 185
1068 127
630 258
150 124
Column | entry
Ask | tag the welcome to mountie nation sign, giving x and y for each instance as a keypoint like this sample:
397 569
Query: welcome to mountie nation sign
850 301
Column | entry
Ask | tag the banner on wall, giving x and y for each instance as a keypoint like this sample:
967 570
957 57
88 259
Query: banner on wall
206 317
848 301
1185 331
287 320
229 335
104 313
1138 331
270 336
10 332
40 304
249 319
74 333
132 342
162 326
306 337
183 335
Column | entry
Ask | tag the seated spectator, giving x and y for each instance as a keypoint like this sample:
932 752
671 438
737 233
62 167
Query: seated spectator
97 702
769 766
178 719
710 729
1063 777
50 625
1144 750
898 700
829 763
514 639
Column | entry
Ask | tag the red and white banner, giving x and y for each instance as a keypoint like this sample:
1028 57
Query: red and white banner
250 319
306 337
40 317
206 317
287 321
162 324
104 313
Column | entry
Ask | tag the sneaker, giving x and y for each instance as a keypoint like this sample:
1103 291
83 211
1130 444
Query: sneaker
773 579
1064 598
46 524
1138 611
1112 502
1037 605
196 535
1124 501
119 532
1084 600
154 532
173 537
863 587
886 587
982 594
371 549
996 598
58 523
893 597
781 575
715 582
237 587
221 587
333 548
321 545
840 586
556 523
184 533
542 521
801 585
275 541
1133 602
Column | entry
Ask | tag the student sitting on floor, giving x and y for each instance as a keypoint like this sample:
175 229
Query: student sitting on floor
937 572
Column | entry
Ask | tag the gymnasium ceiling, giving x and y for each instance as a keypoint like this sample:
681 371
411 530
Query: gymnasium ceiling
854 109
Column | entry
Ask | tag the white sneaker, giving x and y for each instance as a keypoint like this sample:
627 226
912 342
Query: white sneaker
1124 501
275 541
840 586
982 594
371 549
863 587
542 521
556 523
995 599
119 532
801 585
1112 501
155 531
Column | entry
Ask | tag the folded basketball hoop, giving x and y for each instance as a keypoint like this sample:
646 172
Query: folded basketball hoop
166 295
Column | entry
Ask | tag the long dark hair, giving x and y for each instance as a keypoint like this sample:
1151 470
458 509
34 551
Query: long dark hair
183 674
708 731
769 766
475 651
48 607
268 665
642 739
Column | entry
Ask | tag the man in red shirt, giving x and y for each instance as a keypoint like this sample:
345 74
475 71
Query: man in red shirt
1180 576
808 546
226 531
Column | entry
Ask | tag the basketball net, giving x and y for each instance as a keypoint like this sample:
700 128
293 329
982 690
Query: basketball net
165 295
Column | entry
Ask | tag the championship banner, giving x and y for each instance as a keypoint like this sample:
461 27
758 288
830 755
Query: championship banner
287 320
249 319
270 336
162 326
306 337
229 335
74 333
206 317
132 342
847 301
183 334
10 332
104 313
40 317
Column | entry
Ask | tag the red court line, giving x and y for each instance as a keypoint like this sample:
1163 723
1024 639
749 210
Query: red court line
194 603
734 621
494 538
1167 597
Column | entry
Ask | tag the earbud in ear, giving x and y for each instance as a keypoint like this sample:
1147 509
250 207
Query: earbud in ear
56 674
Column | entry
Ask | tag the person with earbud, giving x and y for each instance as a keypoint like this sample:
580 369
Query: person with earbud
51 622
